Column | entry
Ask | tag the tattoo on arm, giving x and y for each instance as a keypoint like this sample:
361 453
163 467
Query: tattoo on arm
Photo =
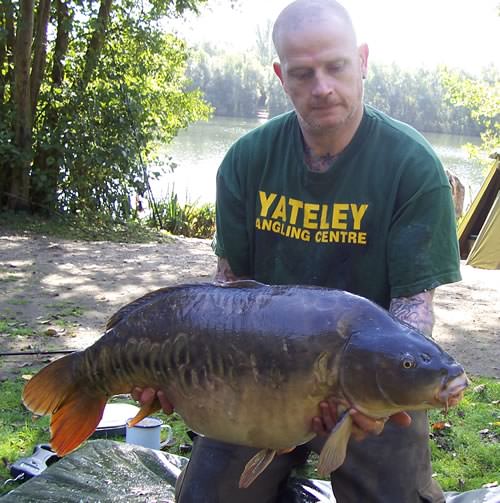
224 272
416 310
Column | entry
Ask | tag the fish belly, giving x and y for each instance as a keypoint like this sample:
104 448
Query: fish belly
255 416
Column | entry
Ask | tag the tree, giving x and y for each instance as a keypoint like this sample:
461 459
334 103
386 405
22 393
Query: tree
77 137
481 98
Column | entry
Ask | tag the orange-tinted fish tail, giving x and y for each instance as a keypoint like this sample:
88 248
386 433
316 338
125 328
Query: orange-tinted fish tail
75 414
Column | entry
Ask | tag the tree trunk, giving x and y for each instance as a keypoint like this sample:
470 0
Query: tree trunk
96 42
39 52
64 23
45 176
7 43
3 46
20 184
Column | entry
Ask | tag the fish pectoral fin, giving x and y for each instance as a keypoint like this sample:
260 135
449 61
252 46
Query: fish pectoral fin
146 410
256 466
334 451
285 451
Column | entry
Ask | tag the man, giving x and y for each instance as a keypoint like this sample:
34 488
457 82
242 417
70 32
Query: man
335 194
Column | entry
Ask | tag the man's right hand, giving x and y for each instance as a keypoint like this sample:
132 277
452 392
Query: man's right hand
363 425
148 395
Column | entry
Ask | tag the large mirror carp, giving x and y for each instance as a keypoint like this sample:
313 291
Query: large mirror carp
248 363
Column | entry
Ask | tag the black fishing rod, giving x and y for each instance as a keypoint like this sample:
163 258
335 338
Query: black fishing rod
38 353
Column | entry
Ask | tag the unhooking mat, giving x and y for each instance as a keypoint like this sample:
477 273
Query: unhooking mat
106 471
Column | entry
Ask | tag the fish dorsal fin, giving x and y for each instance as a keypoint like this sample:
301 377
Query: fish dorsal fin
154 295
134 305
334 451
242 283
146 299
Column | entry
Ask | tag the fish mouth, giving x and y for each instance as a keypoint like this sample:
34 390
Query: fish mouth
452 391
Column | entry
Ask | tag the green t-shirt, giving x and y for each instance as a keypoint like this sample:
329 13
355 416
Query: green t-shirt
379 223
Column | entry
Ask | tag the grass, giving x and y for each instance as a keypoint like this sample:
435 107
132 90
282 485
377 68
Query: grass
11 327
18 431
466 449
188 220
81 228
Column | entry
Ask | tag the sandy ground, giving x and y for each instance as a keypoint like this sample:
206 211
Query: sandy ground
60 294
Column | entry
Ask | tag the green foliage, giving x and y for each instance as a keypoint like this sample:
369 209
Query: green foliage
84 227
98 127
136 104
481 99
189 220
418 99
239 84
186 220
234 84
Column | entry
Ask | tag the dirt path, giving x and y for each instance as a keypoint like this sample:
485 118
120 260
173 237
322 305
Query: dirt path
62 292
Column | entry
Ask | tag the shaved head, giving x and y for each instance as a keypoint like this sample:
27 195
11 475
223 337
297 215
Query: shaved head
304 14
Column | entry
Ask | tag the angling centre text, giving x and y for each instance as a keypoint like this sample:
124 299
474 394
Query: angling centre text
321 223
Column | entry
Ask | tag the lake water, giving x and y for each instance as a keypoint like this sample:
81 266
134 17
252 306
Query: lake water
198 151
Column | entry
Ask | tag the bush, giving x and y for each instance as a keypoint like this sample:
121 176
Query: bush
184 220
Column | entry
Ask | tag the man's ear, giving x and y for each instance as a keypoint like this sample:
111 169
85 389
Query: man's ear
277 71
363 57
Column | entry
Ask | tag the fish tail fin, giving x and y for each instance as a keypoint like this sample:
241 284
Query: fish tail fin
75 414
256 466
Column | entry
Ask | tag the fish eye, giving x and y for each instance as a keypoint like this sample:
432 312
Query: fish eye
408 362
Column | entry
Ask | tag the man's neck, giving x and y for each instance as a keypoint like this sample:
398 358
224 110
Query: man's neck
317 163
322 147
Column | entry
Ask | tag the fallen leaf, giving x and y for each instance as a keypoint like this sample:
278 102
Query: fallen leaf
441 425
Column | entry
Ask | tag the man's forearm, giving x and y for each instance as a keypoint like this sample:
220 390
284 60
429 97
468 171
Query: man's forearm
417 311
224 272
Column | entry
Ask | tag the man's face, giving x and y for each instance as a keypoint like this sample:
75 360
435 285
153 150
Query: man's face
322 70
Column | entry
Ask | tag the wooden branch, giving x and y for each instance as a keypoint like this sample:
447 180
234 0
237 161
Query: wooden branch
64 23
96 42
39 52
